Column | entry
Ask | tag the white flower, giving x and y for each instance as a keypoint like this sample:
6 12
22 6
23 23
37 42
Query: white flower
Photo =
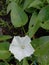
21 47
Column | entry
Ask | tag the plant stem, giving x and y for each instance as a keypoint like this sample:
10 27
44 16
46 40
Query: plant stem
24 30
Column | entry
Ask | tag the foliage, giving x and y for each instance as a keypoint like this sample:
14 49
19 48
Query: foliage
18 14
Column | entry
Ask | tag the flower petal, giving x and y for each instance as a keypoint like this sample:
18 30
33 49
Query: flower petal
18 54
29 50
25 40
14 42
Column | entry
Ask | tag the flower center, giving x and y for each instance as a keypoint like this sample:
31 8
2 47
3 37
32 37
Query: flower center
22 46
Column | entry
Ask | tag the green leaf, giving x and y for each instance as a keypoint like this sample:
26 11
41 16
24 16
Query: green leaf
39 41
9 8
33 30
33 19
33 25
4 37
4 50
48 1
41 46
43 54
36 4
43 49
18 16
44 14
12 0
4 63
25 62
45 25
27 3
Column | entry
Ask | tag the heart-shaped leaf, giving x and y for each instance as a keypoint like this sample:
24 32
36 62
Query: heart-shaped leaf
18 16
